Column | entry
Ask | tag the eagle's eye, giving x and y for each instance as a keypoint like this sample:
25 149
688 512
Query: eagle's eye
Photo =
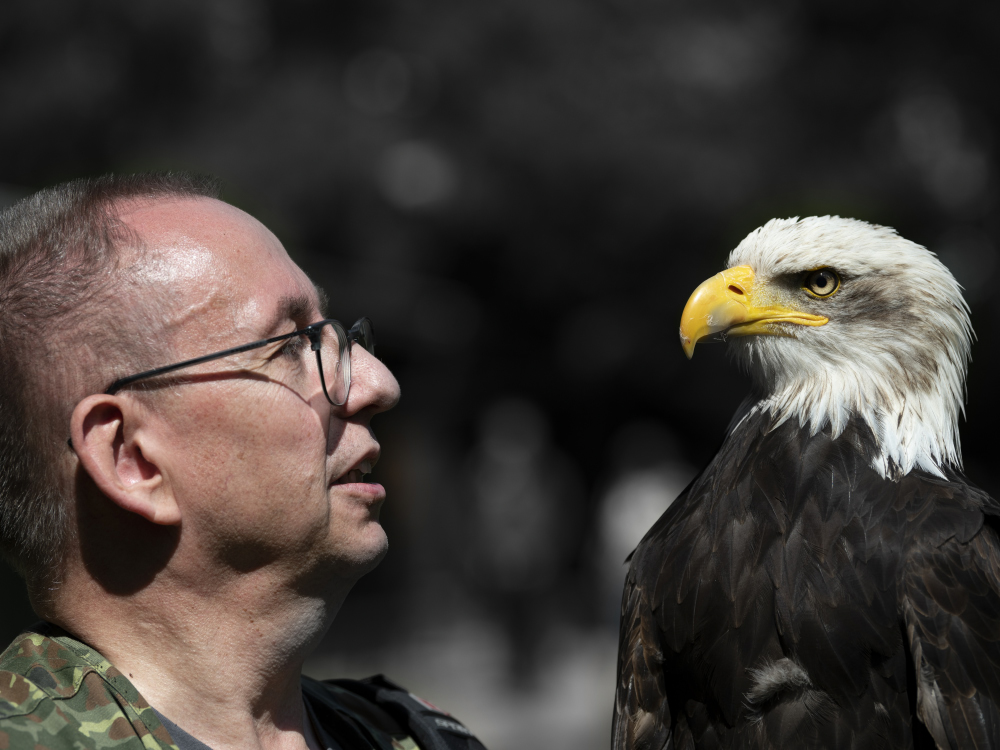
822 282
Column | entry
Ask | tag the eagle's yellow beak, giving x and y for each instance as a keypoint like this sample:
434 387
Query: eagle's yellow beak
730 302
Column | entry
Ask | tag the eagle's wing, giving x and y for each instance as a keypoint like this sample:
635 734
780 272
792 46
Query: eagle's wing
642 719
951 605
642 716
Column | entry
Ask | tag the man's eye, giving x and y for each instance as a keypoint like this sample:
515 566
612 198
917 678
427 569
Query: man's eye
294 346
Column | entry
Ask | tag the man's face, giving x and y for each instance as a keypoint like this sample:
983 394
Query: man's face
265 471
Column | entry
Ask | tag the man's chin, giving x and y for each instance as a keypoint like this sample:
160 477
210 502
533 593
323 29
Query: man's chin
364 553
375 554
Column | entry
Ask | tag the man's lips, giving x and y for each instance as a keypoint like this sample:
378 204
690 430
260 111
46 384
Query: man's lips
356 484
351 477
357 475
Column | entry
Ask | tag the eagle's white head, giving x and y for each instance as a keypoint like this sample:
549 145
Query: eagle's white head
837 318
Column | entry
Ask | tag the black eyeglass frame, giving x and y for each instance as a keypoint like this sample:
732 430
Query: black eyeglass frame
362 332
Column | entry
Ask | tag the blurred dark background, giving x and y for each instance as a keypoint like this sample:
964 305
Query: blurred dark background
522 194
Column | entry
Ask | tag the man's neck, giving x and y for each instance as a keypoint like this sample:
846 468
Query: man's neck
224 665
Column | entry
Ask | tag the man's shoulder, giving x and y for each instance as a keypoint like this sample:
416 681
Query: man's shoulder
44 715
399 718
31 719
53 667
45 664
56 692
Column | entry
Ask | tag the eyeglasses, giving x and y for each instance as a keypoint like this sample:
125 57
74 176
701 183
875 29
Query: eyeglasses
327 338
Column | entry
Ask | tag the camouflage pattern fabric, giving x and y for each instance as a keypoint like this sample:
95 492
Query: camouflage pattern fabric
57 693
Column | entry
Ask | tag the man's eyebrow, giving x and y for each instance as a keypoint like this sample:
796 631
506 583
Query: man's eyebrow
300 308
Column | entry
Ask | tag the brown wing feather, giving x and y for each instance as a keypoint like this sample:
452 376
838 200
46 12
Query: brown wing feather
642 716
951 604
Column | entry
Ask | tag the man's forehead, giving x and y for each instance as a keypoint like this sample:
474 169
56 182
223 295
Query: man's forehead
168 224
217 264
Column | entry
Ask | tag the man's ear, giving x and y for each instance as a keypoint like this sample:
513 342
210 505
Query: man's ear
107 436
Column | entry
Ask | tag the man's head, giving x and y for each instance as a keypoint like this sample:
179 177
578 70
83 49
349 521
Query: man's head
61 263
245 451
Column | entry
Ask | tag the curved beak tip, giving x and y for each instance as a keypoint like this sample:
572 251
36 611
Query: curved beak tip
717 304
687 344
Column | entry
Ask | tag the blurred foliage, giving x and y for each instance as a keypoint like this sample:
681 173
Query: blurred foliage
522 194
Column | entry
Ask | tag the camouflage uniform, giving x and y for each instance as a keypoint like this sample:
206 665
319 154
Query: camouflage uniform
56 692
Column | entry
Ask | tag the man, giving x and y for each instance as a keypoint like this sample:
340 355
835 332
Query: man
184 441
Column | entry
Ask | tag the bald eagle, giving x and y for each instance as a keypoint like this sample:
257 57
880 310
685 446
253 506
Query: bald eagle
831 579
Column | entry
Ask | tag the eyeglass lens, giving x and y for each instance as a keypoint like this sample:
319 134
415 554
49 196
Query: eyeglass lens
335 356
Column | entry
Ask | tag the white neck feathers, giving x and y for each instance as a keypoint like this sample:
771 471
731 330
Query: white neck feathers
914 421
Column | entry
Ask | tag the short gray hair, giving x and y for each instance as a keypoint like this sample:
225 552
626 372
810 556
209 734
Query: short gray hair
60 253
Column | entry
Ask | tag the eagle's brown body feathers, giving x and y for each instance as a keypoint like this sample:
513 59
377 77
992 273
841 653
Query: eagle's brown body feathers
792 597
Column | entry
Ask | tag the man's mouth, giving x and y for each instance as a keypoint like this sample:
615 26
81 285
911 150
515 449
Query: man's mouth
357 475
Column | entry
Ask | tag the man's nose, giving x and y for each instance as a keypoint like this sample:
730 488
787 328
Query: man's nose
373 387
